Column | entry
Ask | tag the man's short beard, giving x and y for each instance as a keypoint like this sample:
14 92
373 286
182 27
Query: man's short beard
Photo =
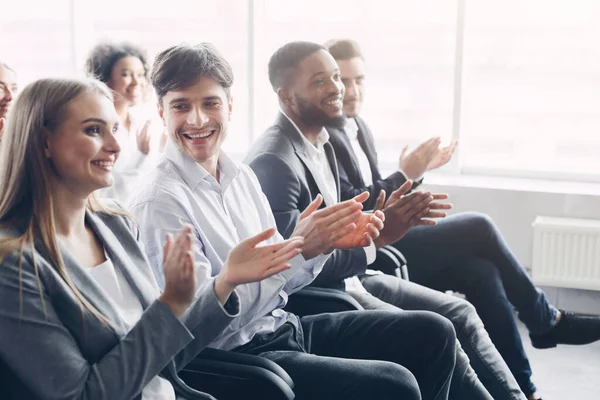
313 116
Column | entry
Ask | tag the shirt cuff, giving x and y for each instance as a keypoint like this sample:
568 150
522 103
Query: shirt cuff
403 173
370 253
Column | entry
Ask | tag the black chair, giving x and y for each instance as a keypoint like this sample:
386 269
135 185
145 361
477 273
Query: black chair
391 261
230 375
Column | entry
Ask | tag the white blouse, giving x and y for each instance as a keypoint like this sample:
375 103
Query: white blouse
130 309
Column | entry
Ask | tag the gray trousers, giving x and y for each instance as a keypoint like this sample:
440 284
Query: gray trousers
391 292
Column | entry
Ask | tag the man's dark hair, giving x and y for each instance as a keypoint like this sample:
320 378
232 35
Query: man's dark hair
181 66
104 56
343 49
285 60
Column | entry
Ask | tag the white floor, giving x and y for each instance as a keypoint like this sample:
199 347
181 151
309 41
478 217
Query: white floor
565 372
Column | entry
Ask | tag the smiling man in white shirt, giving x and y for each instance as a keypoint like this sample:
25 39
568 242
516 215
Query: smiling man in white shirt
327 355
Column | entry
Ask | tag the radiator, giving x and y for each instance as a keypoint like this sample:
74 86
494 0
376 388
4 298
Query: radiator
566 253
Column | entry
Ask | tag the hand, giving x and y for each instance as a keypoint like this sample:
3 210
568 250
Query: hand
248 262
320 229
403 211
367 229
415 163
442 157
143 138
178 265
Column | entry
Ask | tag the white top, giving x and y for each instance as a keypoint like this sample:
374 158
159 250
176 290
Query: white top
130 309
132 164
325 176
222 214
351 129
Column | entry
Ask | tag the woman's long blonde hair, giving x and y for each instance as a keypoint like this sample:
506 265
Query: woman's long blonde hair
26 202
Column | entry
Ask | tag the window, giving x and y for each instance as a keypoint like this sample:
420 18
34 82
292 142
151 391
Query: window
36 39
409 81
517 82
531 88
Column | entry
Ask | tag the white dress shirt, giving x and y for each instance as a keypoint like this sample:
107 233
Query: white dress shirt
112 281
179 191
351 130
326 181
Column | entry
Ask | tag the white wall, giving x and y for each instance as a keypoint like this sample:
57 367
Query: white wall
514 204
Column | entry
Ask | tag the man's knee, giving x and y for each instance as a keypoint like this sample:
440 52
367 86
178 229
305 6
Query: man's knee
392 381
436 329
480 224
387 380
464 316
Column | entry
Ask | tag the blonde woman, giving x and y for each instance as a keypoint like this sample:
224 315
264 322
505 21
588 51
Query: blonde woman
123 68
82 316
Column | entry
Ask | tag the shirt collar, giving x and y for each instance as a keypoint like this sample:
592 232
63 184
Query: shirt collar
192 172
351 128
312 149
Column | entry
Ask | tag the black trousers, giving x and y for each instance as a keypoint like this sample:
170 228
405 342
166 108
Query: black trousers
405 355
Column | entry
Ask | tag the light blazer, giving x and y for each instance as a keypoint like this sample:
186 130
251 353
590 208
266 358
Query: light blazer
57 355
280 162
351 180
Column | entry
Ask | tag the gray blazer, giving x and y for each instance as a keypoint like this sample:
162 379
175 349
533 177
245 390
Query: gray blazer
58 355
280 161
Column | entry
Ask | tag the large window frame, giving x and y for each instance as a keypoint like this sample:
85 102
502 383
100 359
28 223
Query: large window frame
256 110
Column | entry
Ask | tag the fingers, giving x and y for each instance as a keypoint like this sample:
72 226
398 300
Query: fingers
167 247
178 249
343 207
284 257
275 270
312 207
435 214
441 206
261 237
380 200
366 241
372 231
377 220
361 198
342 232
274 249
380 214
341 219
401 191
439 196
406 201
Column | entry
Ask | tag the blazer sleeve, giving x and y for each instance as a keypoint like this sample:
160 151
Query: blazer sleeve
45 356
282 187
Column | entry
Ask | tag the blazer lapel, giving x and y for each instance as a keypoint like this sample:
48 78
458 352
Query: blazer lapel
300 149
345 151
368 147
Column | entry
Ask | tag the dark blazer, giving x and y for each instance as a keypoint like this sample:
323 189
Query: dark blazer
58 355
351 181
280 162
